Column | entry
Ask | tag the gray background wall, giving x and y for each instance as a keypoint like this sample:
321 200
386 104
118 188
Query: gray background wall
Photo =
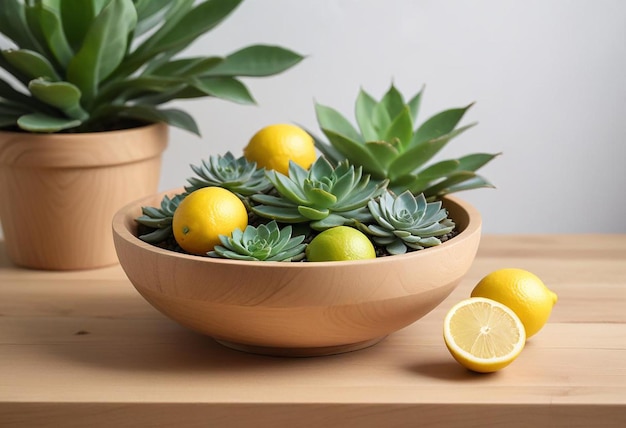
548 78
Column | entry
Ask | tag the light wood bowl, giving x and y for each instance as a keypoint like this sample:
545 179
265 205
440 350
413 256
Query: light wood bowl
296 308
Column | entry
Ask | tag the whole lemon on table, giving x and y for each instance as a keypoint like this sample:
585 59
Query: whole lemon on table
340 243
204 215
523 292
275 145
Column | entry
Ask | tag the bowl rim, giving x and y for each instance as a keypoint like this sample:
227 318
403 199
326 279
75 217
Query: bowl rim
126 215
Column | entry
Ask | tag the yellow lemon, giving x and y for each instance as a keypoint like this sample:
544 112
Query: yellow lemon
275 145
521 291
204 215
338 244
483 335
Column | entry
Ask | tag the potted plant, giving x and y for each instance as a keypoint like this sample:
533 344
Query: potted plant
82 122
264 288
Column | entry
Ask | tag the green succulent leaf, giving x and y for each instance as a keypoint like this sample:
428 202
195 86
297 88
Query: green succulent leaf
384 153
14 26
188 67
77 16
52 30
31 64
62 95
471 183
330 120
185 23
364 110
392 102
401 128
475 161
256 61
414 104
439 125
421 153
356 152
40 122
174 117
313 213
104 47
227 88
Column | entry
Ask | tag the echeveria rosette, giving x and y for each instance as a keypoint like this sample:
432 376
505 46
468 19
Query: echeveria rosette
267 242
238 175
406 221
389 145
159 219
324 196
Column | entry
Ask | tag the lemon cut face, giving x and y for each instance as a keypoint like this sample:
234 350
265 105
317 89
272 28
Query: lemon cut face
483 335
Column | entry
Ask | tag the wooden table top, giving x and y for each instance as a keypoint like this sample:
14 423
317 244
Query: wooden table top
83 349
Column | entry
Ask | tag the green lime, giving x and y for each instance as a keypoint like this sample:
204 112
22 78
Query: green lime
338 244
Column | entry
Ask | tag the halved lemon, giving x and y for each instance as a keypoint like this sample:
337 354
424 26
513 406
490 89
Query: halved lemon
483 335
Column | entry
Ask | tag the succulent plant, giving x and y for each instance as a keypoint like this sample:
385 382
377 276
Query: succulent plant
324 196
237 175
159 219
388 145
407 221
267 242
90 65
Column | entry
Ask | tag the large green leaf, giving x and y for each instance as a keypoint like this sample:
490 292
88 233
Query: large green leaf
174 117
13 24
475 182
39 122
381 120
330 119
137 87
256 61
104 47
186 67
77 16
416 156
52 30
475 161
31 64
150 13
62 95
227 88
183 26
364 110
383 151
439 125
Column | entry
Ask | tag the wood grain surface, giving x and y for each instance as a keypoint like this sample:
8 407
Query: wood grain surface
83 349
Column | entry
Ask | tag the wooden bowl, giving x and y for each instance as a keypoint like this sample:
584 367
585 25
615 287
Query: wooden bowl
296 308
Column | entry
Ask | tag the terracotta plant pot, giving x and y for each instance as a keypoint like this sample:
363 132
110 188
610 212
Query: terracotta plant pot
296 308
59 192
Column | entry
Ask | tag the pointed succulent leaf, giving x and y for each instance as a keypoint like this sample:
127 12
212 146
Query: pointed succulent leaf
401 128
358 154
414 104
331 120
328 151
381 120
384 152
186 67
439 125
393 102
451 180
475 161
476 182
364 110
279 213
331 220
412 159
318 197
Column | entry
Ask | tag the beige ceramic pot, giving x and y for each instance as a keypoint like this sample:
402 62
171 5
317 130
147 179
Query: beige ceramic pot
296 308
59 192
